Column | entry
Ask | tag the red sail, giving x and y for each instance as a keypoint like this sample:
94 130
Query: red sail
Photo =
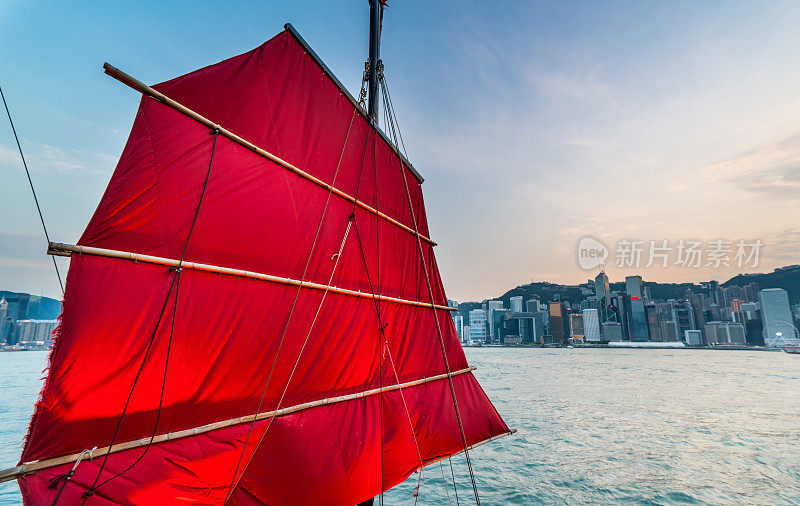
210 343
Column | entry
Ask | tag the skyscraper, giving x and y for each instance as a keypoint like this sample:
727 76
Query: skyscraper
3 313
533 306
591 325
668 330
602 290
516 304
557 322
490 307
779 328
458 320
477 325
637 320
612 331
576 328
651 311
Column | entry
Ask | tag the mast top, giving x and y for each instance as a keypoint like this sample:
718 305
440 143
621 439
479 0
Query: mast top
375 18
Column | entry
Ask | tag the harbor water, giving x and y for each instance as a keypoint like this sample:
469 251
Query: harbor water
594 426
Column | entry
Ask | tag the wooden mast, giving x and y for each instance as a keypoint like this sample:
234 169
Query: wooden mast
375 16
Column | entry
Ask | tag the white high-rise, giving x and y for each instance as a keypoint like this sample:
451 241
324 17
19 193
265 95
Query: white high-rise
491 306
477 325
779 329
591 325
516 304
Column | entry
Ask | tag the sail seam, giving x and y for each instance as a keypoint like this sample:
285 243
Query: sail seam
160 97
63 249
29 467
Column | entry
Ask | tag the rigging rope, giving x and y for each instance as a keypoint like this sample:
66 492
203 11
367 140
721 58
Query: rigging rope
338 256
234 479
30 182
435 316
175 283
444 481
381 327
392 127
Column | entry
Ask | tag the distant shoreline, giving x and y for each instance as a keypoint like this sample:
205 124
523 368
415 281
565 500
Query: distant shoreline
714 348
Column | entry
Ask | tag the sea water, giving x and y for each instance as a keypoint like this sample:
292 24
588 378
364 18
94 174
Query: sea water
598 426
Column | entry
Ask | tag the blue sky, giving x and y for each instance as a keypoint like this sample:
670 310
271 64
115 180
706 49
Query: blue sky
534 123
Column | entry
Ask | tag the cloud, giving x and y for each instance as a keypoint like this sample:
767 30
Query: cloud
769 171
43 158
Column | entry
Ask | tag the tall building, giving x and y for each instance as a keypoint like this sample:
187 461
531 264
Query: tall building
477 325
17 309
498 329
558 322
612 331
518 328
540 325
651 312
693 338
637 320
725 333
3 313
35 330
753 326
576 328
533 306
668 330
732 292
458 320
779 328
602 291
591 325
491 306
684 317
751 292
516 304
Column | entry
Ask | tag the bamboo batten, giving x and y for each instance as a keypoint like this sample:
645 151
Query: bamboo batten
66 250
470 447
29 467
147 90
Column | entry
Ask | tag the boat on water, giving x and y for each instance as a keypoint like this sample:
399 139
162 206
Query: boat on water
792 348
254 314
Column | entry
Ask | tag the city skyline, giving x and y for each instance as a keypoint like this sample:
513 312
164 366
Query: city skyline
532 124
704 315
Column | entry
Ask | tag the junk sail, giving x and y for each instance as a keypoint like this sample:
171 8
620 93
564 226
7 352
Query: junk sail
254 313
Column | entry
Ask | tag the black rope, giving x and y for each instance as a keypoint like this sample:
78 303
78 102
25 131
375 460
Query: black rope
435 316
176 284
30 182
351 219
454 479
55 480
381 326
292 308
390 106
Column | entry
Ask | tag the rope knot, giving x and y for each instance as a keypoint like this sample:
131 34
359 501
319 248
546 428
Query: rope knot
55 480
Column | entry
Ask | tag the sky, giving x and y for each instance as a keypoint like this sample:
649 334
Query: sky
535 124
